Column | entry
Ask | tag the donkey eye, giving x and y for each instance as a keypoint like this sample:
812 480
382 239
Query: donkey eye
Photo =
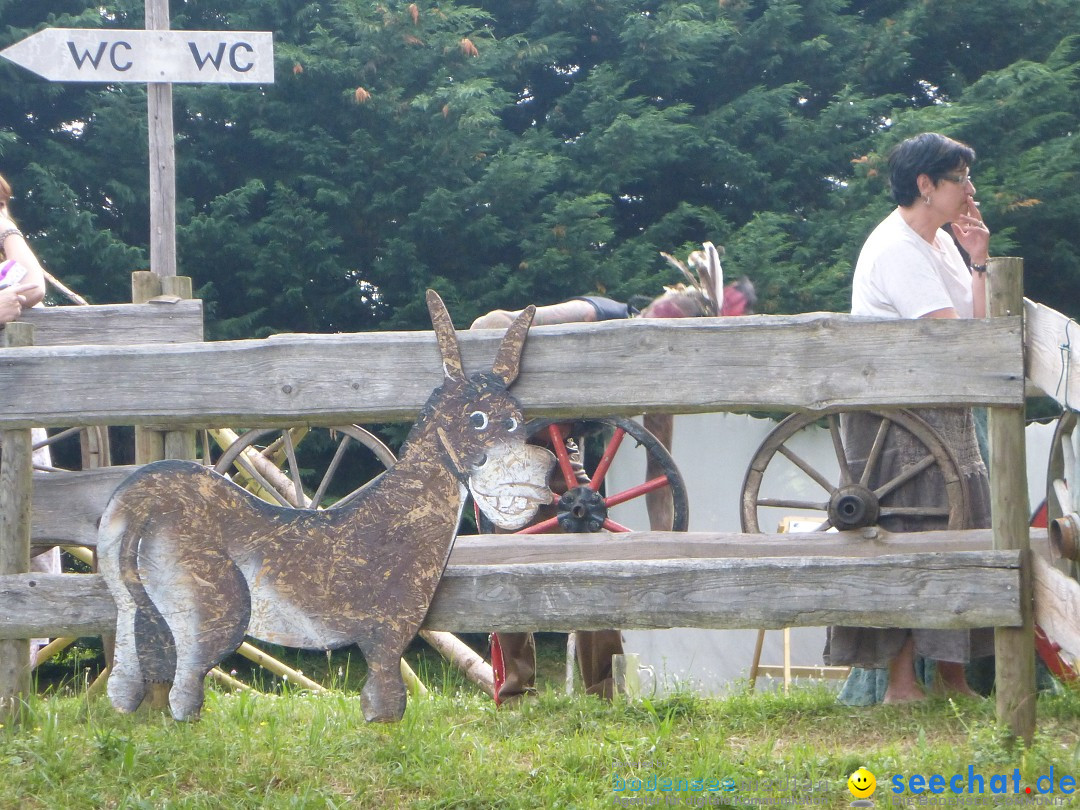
511 424
478 419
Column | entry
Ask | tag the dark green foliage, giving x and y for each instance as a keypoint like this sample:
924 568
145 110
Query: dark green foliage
516 151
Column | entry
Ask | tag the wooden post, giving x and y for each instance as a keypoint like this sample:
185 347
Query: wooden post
149 443
159 112
16 489
1014 647
178 443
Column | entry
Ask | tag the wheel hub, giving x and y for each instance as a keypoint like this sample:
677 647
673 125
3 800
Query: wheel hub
853 507
581 510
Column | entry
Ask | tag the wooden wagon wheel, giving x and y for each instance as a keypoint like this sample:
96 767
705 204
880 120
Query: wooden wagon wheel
583 507
269 458
1059 516
1062 493
92 443
846 502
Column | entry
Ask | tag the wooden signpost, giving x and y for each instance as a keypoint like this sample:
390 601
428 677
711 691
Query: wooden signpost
158 57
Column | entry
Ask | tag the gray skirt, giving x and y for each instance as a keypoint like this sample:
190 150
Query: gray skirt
873 647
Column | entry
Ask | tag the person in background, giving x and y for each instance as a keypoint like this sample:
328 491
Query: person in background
700 296
22 285
910 267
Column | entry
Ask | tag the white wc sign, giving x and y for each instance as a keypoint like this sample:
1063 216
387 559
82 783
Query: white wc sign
147 56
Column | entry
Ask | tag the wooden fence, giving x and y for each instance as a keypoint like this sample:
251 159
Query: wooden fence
814 362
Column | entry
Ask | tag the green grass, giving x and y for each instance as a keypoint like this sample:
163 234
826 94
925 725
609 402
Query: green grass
455 749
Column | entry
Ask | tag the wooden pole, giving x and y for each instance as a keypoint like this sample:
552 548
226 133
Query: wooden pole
159 112
16 489
149 444
178 443
1014 647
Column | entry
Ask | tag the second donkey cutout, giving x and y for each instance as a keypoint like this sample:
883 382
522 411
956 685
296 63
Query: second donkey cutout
195 562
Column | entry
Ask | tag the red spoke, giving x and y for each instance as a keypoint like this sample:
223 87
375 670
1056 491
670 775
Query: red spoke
558 445
605 462
612 526
634 492
544 526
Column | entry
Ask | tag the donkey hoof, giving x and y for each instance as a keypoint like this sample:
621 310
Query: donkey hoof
125 696
380 707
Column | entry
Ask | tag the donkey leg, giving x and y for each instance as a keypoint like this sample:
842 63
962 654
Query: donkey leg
208 620
203 606
384 696
126 686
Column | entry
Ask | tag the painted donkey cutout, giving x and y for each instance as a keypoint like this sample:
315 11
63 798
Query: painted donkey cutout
195 562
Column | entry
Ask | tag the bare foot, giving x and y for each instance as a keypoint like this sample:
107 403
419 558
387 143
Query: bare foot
903 688
910 694
951 680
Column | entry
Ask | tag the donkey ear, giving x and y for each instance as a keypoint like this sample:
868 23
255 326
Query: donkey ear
508 359
444 333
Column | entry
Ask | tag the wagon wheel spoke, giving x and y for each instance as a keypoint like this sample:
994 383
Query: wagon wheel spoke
838 448
925 463
630 493
876 450
799 462
784 503
339 454
558 446
597 478
294 470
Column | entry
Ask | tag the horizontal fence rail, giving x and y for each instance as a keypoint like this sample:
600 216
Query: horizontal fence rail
797 363
947 589
160 321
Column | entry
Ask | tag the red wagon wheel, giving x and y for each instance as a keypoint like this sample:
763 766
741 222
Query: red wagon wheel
583 507
584 504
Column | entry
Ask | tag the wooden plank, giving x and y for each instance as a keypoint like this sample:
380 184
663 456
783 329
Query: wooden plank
117 324
709 364
1057 606
68 505
1052 353
503 549
945 590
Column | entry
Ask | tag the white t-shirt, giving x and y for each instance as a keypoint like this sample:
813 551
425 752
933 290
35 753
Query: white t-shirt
901 275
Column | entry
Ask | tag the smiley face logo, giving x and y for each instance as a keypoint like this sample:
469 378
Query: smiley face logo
862 784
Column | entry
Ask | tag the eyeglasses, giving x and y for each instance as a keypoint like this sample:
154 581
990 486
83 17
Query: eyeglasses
959 179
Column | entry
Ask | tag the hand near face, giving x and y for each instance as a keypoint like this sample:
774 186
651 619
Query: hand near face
971 232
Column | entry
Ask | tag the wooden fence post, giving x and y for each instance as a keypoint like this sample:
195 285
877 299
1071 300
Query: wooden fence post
1014 647
178 443
149 443
16 482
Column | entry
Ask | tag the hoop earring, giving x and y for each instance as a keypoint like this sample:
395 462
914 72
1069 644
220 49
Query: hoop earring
926 199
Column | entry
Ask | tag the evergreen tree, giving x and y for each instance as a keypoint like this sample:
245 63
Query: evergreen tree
515 151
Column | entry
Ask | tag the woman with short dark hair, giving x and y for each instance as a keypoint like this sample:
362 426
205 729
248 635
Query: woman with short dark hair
911 266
